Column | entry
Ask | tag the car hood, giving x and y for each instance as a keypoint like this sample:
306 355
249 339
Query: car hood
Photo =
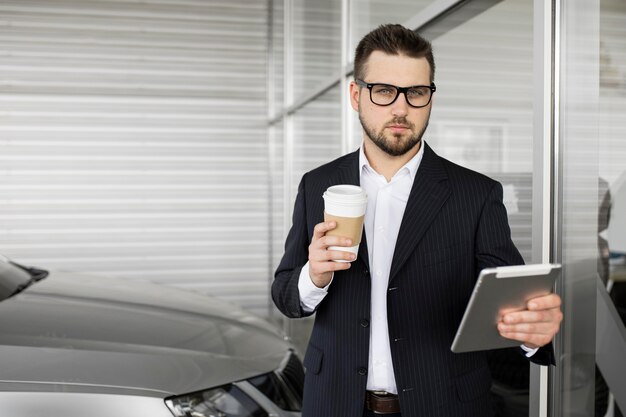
74 331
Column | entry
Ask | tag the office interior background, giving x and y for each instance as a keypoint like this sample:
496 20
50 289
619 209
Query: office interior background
163 140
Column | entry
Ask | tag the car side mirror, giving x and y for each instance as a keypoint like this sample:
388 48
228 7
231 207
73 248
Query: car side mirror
14 278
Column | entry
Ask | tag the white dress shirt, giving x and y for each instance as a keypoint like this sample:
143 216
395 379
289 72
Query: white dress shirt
386 202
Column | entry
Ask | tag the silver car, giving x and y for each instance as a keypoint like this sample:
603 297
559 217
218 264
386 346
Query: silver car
79 345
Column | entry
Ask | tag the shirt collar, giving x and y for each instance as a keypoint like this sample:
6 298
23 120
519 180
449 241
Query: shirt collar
411 166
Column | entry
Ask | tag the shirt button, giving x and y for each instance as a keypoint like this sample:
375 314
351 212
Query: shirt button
381 229
362 371
365 323
378 273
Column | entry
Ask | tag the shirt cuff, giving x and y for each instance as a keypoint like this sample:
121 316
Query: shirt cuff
529 351
310 294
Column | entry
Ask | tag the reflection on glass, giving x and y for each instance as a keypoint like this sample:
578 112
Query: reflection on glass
316 43
482 118
612 172
612 121
575 375
369 14
277 209
316 141
277 52
317 134
482 113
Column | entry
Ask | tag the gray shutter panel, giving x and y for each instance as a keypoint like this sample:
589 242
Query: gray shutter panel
132 141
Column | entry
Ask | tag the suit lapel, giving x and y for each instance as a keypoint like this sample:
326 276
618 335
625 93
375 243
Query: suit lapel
429 192
348 173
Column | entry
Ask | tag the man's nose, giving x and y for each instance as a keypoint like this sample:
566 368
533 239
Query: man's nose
400 107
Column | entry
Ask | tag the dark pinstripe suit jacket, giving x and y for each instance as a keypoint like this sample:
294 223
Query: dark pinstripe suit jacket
454 225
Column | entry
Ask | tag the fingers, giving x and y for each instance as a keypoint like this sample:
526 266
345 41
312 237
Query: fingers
544 302
326 241
535 326
526 316
544 309
331 255
318 249
321 265
319 269
320 229
529 328
321 259
531 335
531 340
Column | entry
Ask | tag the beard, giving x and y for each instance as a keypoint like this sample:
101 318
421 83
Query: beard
394 144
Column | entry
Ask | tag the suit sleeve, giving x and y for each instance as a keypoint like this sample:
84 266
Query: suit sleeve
494 247
285 286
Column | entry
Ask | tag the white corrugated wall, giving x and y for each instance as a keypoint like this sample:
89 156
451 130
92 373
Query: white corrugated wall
133 141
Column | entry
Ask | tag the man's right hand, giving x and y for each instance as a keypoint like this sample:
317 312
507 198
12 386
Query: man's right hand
321 265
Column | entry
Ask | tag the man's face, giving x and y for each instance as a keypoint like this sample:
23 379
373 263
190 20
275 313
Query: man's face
397 128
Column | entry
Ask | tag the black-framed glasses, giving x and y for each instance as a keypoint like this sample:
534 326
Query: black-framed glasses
385 94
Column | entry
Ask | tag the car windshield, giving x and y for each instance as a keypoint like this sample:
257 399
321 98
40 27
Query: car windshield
15 278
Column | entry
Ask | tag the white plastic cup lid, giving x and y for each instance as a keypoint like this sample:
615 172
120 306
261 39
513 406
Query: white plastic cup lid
346 194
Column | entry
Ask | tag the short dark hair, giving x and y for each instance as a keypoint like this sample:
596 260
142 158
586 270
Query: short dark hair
393 39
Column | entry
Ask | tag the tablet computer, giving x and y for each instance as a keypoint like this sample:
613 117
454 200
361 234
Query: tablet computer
500 289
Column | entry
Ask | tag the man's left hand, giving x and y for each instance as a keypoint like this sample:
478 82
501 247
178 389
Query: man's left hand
535 326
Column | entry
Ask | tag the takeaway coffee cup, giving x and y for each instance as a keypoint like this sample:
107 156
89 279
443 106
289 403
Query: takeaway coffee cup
345 204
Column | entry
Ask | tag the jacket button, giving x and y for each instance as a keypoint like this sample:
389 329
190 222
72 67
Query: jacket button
366 272
365 323
362 371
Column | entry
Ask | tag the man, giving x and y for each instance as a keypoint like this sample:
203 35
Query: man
385 322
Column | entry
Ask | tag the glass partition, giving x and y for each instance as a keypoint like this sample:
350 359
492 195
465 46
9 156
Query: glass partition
317 134
276 204
368 14
611 207
316 141
576 241
482 115
483 118
277 55
316 44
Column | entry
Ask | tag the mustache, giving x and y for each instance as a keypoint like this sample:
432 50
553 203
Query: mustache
402 121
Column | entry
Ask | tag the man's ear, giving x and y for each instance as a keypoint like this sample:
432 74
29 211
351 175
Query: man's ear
355 92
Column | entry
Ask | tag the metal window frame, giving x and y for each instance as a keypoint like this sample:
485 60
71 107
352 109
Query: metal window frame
544 166
576 36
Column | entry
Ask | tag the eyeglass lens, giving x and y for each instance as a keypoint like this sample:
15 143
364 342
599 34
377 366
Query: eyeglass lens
385 94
